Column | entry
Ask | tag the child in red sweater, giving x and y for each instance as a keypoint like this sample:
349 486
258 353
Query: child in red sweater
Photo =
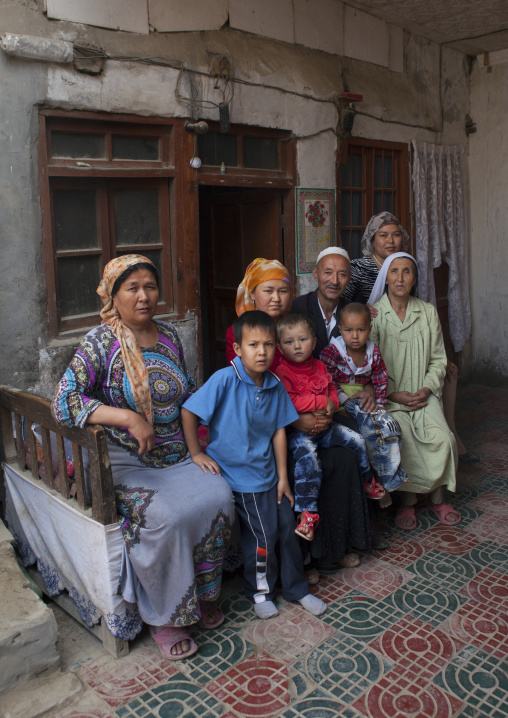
311 390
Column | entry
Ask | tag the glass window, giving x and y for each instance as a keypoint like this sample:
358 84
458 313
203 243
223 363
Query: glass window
215 148
127 147
261 153
380 174
78 279
74 144
75 219
136 217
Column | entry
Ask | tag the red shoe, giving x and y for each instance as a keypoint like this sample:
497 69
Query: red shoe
311 521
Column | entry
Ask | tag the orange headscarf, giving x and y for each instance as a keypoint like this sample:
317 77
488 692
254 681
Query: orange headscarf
131 353
260 270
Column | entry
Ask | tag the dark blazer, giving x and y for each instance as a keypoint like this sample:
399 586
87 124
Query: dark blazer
308 305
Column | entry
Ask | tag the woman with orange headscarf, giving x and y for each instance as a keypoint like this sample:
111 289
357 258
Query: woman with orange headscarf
266 286
344 519
129 375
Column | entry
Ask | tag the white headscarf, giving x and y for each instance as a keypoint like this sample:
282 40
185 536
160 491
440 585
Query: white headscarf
379 287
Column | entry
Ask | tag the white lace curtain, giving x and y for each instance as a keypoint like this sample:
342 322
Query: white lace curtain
440 218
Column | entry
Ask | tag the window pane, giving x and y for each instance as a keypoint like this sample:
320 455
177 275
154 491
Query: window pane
357 208
125 147
378 202
378 171
73 144
355 247
388 172
345 208
214 149
78 279
345 238
345 173
136 216
75 219
357 171
388 202
261 153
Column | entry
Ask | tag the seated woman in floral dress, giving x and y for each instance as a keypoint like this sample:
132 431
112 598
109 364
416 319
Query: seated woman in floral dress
129 375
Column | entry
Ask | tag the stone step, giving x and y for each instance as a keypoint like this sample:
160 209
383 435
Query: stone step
42 696
28 630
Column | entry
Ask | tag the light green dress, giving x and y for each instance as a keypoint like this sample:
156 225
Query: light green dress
414 354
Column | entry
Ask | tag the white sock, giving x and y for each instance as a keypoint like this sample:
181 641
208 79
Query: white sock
265 609
313 604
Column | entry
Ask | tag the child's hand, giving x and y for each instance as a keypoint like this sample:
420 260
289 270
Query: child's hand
284 490
330 407
206 463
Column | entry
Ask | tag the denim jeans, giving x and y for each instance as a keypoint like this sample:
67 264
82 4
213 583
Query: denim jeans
303 448
383 439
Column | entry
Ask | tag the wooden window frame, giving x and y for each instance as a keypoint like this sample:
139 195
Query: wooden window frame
240 175
179 236
402 182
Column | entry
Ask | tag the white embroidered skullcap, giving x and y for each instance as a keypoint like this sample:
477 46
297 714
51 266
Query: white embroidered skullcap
332 250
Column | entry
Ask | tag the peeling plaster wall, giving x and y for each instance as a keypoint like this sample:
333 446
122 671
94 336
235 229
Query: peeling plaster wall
488 165
279 85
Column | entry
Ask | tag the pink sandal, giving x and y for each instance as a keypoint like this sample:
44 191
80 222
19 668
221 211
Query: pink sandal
442 511
169 637
207 608
407 513
311 521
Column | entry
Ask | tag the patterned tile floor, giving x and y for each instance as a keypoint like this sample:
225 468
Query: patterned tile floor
418 630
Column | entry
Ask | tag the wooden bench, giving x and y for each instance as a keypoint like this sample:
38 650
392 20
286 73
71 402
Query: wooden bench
22 454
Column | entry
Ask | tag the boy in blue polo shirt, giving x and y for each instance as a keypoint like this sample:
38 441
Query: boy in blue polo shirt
246 408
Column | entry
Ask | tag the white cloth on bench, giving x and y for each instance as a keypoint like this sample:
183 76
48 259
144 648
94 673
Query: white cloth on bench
72 552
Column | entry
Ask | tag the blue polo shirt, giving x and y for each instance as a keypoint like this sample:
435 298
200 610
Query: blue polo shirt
242 418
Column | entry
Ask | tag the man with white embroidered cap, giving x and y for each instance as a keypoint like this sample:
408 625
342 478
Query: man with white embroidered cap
332 273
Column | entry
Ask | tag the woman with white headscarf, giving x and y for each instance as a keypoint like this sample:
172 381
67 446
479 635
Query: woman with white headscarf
408 333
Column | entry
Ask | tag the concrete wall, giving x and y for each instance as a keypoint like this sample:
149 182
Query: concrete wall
279 84
488 165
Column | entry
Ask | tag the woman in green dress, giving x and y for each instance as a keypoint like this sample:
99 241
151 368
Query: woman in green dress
408 333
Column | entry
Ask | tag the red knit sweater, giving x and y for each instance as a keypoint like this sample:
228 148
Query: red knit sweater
308 384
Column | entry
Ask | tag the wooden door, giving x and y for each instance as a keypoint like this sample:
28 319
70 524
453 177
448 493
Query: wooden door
236 226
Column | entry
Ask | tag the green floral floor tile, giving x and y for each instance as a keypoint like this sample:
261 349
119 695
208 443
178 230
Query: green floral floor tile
344 667
219 650
491 554
493 482
449 571
426 600
318 704
361 617
237 609
479 680
178 698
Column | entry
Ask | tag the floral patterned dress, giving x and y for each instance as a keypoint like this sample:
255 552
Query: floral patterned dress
175 519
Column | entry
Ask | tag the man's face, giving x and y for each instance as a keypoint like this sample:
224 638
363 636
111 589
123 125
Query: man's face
332 274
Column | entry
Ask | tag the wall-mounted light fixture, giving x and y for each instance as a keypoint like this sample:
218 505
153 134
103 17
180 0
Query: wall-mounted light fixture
347 112
200 127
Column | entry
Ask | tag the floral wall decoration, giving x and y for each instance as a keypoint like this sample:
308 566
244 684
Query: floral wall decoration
315 225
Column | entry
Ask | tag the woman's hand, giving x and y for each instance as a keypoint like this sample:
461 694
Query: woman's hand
413 401
373 311
142 431
312 422
206 463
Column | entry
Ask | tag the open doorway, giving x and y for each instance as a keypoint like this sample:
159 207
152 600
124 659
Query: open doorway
236 226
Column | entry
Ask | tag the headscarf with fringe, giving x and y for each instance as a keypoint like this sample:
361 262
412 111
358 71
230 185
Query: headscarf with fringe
131 353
